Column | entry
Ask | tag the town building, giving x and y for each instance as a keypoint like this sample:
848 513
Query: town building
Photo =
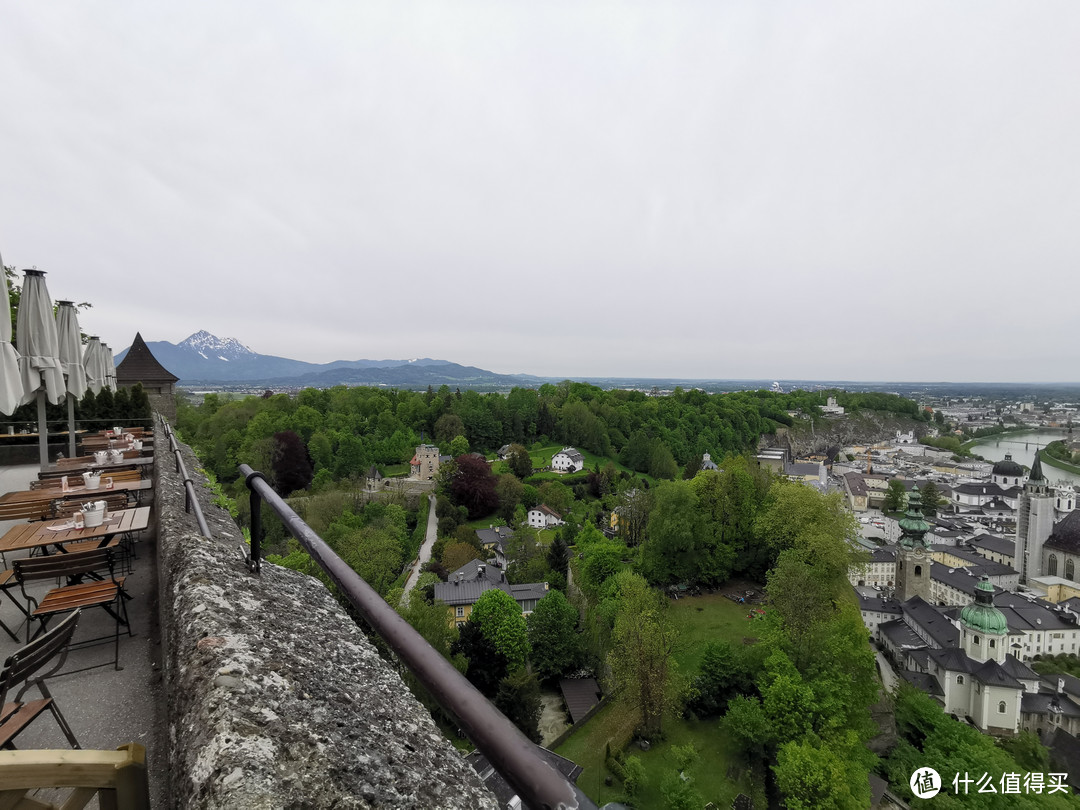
568 460
1040 507
425 464
468 583
543 517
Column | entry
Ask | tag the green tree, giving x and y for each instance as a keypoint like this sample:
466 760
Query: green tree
556 495
510 491
486 666
455 555
503 624
518 698
519 461
601 560
640 659
459 446
745 723
813 776
635 776
553 636
635 506
558 555
931 498
895 496
680 794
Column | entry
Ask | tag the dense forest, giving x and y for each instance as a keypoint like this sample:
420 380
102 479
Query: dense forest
346 430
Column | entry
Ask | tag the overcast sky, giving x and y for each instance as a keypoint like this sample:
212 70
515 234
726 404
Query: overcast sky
700 189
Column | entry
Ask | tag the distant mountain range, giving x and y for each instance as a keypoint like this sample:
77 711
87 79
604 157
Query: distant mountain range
206 358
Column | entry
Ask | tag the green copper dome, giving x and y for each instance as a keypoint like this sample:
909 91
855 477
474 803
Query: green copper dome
981 616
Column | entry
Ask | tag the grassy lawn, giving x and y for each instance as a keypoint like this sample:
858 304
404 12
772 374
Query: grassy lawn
718 775
542 457
708 618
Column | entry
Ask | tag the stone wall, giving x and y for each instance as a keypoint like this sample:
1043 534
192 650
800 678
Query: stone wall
275 697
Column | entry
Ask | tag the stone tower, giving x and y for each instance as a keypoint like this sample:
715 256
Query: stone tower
913 556
1034 522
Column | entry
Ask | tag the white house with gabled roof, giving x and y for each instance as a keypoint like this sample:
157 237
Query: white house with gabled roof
568 460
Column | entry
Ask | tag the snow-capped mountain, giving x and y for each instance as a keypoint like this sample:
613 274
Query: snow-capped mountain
206 358
209 346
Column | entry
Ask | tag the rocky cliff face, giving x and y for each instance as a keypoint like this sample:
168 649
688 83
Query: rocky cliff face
859 428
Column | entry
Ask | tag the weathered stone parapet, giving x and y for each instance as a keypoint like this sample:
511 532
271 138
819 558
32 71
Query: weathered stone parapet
276 698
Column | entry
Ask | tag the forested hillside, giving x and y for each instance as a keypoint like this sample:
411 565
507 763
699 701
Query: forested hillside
346 430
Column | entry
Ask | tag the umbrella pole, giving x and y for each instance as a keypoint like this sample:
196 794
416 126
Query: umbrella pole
71 425
43 429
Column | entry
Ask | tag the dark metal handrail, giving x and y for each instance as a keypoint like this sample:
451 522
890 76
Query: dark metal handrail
190 501
509 751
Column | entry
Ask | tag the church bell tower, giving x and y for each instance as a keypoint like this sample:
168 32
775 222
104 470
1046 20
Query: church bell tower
913 556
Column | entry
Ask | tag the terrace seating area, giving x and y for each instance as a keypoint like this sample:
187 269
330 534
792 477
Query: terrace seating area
84 587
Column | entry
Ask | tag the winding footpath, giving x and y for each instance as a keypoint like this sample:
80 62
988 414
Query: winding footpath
425 549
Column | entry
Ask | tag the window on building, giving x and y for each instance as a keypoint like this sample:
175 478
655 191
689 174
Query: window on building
1001 707
460 612
918 570
992 644
1051 566
960 679
1070 569
974 639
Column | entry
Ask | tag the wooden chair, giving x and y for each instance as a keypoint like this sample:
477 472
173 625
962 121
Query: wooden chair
116 778
20 668
25 511
68 507
47 483
7 587
114 501
106 593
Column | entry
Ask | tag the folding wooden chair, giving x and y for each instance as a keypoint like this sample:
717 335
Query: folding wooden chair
117 779
20 669
7 586
106 593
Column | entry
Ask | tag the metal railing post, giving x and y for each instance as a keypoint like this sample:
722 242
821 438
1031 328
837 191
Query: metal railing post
254 561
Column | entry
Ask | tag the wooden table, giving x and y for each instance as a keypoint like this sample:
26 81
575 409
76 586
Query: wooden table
41 534
45 496
87 463
91 443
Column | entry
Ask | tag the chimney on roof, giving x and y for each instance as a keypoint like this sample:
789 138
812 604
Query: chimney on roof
460 577
1061 685
480 571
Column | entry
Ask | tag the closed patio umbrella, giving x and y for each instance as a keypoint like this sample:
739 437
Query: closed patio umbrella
38 343
11 387
110 367
94 363
71 358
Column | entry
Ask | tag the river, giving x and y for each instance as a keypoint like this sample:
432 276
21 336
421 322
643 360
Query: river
1022 446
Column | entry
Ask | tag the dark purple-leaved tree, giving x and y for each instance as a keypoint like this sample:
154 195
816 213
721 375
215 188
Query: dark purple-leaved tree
473 486
292 465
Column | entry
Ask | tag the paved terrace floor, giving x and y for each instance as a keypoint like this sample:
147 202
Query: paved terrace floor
104 708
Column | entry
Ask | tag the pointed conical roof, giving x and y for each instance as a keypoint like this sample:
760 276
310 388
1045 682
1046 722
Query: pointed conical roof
140 365
1036 469
912 526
